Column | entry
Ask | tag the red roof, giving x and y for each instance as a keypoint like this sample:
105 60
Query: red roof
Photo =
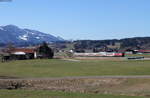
25 50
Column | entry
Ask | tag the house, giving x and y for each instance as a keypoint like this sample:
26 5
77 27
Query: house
42 51
18 54
23 53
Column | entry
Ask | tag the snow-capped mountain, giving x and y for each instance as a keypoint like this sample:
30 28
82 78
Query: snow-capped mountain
14 34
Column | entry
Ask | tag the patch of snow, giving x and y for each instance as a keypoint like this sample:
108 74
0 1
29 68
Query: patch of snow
28 32
37 37
24 37
1 28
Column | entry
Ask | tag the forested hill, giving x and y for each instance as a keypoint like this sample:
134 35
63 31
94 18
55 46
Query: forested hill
127 43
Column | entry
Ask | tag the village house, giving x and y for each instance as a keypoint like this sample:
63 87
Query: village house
42 51
24 53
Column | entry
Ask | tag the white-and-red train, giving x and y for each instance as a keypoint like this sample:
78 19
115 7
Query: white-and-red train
100 54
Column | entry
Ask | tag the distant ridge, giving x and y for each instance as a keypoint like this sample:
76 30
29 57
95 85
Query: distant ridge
125 43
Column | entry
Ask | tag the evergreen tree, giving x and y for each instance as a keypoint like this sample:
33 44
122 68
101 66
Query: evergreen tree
45 51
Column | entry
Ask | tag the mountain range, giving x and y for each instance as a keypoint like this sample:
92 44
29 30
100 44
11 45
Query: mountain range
14 34
25 37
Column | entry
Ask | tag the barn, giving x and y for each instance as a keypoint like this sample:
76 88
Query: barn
23 53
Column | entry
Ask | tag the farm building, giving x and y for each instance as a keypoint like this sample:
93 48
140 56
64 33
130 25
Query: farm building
24 53
42 51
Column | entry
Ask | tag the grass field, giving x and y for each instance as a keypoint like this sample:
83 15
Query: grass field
62 68
134 55
48 94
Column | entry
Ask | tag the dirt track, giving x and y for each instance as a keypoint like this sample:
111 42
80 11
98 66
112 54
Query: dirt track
75 77
124 85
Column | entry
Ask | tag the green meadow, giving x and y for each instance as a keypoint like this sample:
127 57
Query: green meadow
63 68
49 94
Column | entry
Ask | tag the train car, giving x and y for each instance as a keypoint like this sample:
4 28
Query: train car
99 54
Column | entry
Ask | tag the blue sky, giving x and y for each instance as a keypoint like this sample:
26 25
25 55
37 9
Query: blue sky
80 19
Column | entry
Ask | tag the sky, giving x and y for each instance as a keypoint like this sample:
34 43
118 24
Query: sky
80 19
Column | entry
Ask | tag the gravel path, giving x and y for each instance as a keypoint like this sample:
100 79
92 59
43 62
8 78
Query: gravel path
77 77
